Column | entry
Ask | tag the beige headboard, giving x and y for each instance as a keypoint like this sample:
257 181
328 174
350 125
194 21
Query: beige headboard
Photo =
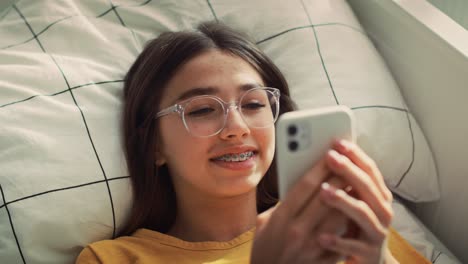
428 54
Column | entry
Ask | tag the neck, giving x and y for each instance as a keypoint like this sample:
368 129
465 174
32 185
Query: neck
208 219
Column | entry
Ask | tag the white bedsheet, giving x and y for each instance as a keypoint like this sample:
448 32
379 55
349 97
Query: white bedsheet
410 228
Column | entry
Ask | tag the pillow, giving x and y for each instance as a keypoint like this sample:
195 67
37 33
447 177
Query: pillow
63 180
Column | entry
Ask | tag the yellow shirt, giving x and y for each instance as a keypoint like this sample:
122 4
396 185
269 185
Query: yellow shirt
146 246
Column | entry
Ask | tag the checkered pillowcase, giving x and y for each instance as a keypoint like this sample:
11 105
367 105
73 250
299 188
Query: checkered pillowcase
63 177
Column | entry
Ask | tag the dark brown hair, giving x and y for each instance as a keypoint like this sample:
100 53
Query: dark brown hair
154 201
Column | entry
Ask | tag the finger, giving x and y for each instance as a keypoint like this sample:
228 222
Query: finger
291 250
300 229
362 183
363 161
356 210
335 222
343 246
329 257
263 218
304 189
315 211
312 252
326 257
300 248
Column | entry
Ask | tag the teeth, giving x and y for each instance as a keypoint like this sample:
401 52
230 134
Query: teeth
236 157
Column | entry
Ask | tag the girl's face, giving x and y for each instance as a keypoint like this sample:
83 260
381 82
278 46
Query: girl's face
192 161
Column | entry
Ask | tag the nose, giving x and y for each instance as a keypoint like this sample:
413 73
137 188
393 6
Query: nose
235 126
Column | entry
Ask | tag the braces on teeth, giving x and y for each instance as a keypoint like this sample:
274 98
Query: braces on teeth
236 157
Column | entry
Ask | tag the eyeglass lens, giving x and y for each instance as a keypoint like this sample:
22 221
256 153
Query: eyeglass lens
205 116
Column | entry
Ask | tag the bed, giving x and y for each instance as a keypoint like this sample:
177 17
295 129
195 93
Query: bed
63 177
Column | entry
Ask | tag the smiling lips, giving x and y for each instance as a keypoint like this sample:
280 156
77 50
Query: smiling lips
239 157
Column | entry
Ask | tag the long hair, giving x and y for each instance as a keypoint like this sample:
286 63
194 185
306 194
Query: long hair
154 201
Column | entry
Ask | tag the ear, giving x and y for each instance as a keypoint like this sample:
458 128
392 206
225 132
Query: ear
159 152
160 159
160 162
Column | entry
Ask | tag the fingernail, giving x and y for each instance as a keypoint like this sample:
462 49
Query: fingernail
328 188
344 144
335 155
340 193
328 191
325 186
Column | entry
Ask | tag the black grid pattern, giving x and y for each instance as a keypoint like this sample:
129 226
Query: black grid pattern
69 89
5 204
81 112
317 42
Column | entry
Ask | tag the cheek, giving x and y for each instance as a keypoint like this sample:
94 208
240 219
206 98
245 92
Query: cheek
266 140
172 137
178 146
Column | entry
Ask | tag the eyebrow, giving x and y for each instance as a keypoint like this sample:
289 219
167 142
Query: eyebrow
210 90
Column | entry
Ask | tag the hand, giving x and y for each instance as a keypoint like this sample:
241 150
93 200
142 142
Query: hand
370 210
287 233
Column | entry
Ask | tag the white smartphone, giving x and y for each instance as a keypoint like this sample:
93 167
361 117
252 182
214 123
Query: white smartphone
303 137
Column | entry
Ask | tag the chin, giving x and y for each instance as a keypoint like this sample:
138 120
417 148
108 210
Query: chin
243 186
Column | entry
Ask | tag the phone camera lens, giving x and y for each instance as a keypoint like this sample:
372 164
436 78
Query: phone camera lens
292 130
293 145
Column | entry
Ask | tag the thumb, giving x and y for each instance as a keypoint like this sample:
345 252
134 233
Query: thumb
264 217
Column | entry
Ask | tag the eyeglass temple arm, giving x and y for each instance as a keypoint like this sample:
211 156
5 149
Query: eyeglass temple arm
169 110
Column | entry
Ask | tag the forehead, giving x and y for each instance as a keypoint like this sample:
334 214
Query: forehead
215 69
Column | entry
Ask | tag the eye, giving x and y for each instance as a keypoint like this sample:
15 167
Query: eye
253 105
201 112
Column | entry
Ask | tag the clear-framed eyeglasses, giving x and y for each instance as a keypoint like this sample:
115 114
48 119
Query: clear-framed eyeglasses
206 115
